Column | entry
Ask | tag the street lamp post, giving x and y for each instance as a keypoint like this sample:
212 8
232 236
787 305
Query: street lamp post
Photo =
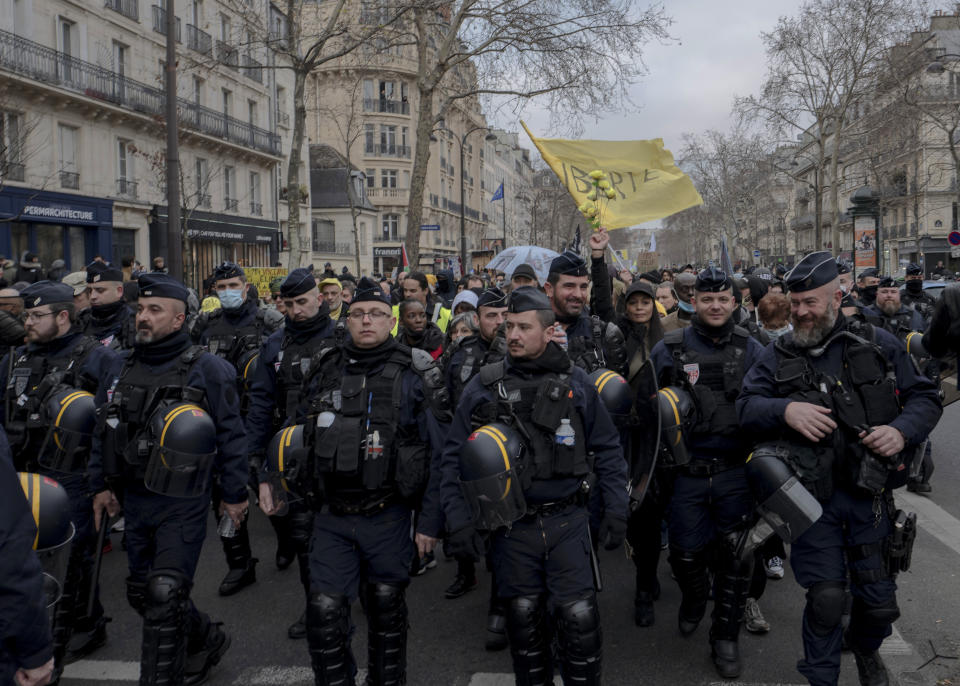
462 141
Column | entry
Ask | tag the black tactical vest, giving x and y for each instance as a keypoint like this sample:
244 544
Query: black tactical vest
475 356
862 394
31 380
294 359
230 342
714 377
138 392
898 324
535 407
125 339
604 348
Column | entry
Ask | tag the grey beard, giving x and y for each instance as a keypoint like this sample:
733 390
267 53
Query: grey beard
890 308
144 336
808 338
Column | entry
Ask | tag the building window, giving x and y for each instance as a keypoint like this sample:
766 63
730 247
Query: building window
391 227
197 91
11 147
126 183
324 236
227 102
388 178
69 173
203 182
362 235
388 139
371 175
256 208
230 189
368 133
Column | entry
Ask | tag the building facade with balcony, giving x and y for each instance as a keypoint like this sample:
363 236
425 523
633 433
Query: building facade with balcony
82 123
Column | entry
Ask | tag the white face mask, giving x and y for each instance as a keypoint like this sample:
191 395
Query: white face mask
845 288
230 298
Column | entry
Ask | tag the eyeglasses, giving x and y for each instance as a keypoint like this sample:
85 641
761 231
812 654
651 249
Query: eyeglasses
375 316
37 316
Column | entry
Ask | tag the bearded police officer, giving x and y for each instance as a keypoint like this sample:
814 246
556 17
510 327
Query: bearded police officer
172 420
711 506
371 425
234 332
110 321
471 354
592 343
851 406
51 378
274 394
912 294
545 431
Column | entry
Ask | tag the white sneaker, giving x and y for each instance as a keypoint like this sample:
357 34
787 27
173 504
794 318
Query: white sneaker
753 620
774 568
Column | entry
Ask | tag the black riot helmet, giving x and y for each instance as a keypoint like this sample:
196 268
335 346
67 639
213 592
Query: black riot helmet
677 411
286 460
50 505
490 464
614 391
72 416
184 445
783 501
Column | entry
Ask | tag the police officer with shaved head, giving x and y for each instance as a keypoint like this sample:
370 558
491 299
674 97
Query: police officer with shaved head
45 382
111 321
234 332
170 424
529 439
274 394
711 508
370 425
851 409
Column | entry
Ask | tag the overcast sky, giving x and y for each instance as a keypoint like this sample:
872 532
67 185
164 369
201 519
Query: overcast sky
716 53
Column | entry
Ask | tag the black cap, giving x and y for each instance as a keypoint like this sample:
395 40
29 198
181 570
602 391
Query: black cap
887 282
227 270
843 267
651 276
160 285
369 290
527 271
815 270
568 263
298 282
527 298
97 272
686 266
640 287
492 297
867 273
712 280
914 269
46 293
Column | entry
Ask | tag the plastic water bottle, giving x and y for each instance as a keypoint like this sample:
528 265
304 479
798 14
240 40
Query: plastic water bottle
565 434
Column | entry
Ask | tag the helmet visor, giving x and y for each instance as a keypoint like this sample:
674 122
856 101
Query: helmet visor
496 500
177 474
65 450
280 493
54 561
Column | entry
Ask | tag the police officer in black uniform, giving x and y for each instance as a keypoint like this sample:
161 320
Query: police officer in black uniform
542 563
372 423
912 294
851 405
711 505
26 647
591 343
57 359
111 321
234 332
274 394
171 421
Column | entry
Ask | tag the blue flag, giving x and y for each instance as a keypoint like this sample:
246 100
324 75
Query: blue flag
499 194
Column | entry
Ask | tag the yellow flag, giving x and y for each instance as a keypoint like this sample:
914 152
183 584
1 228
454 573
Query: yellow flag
647 183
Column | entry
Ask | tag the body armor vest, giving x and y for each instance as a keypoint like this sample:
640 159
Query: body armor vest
862 394
898 324
604 348
229 341
32 378
535 407
138 392
124 339
922 303
353 431
715 379
294 363
475 356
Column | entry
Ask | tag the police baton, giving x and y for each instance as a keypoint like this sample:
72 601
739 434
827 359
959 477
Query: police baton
97 559
594 563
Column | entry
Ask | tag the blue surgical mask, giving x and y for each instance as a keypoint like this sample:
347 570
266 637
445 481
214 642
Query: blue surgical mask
230 298
686 307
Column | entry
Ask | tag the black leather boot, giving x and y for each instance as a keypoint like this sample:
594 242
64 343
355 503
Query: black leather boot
243 566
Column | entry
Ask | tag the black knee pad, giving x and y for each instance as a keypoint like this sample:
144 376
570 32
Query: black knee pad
166 590
825 606
326 612
137 595
875 615
386 605
578 623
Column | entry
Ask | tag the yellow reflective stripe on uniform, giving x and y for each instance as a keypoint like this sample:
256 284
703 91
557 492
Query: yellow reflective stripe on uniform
749 457
603 379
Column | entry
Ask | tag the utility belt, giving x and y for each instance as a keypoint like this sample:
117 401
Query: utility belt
552 508
895 550
366 508
706 468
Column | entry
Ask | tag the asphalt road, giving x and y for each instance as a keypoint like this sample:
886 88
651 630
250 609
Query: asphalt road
446 637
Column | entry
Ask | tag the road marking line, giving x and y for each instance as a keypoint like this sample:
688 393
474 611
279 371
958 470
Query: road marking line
491 679
99 670
933 519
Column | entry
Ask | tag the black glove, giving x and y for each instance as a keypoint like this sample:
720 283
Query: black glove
612 531
466 542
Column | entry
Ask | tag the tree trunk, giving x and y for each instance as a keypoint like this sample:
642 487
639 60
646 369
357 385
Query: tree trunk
299 244
835 194
421 160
